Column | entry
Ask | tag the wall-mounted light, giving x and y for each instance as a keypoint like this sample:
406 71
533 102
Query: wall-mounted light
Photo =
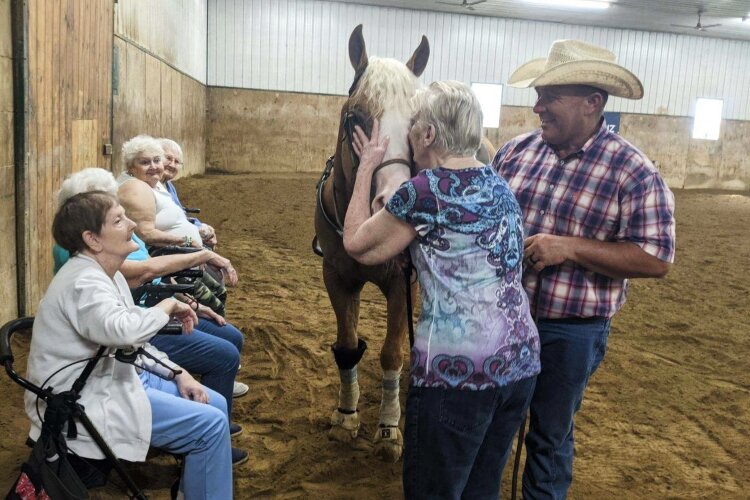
575 4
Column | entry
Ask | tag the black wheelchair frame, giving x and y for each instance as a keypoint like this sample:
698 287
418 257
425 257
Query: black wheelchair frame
65 404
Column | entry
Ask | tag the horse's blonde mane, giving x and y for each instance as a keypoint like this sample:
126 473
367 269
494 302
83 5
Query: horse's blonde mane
385 84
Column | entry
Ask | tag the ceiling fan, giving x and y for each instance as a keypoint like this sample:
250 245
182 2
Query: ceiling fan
698 26
464 3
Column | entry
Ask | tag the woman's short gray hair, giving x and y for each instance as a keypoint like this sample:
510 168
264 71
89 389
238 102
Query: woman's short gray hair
454 110
88 179
172 146
139 145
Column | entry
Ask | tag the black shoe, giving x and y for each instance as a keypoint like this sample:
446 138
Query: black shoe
234 430
239 457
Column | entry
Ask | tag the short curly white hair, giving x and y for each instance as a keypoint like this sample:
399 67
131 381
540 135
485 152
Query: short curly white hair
172 146
138 145
88 179
454 110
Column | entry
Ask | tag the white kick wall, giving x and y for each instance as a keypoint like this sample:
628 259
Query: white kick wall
301 46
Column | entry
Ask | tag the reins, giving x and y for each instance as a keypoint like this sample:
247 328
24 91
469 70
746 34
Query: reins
335 222
522 429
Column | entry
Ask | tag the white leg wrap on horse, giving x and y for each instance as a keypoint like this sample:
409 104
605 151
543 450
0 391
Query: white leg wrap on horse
349 390
390 408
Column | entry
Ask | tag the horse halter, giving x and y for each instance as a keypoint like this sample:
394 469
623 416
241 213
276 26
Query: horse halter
355 117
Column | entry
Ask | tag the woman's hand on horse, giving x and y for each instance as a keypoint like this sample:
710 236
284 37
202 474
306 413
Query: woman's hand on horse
370 150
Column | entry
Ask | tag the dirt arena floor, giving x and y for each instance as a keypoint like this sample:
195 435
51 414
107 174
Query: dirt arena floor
666 416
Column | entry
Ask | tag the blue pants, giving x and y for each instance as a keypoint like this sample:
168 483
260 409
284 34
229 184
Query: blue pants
211 351
198 431
457 441
571 353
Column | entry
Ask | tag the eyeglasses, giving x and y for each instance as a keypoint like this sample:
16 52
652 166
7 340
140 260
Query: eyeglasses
174 160
145 160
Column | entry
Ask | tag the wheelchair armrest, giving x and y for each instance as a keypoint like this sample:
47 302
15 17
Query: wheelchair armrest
7 331
171 328
186 273
156 293
6 355
171 250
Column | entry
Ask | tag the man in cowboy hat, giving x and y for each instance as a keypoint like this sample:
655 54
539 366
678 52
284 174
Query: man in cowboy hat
596 212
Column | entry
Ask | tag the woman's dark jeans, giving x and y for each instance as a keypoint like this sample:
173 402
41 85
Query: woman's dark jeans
458 441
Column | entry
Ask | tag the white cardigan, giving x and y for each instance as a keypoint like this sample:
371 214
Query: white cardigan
83 309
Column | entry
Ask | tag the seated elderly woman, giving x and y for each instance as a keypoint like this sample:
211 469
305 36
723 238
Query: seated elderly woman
160 220
476 350
173 161
213 349
87 305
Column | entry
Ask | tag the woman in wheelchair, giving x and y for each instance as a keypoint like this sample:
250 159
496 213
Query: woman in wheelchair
161 222
172 162
88 304
213 349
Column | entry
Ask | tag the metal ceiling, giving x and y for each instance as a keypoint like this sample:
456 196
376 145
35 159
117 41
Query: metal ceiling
644 15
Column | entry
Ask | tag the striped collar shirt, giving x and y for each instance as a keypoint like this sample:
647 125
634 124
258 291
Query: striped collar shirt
608 191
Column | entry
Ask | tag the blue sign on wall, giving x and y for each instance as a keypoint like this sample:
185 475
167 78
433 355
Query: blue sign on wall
613 121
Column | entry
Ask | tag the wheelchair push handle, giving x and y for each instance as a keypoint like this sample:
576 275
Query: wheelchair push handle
6 354
6 332
171 250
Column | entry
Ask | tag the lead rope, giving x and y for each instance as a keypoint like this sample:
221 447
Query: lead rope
522 429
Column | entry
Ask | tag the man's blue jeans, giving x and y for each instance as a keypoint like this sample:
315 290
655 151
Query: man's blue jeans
211 351
571 353
457 441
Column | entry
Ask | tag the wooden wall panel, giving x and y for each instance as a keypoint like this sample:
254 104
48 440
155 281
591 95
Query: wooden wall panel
69 98
248 131
153 98
252 131
8 290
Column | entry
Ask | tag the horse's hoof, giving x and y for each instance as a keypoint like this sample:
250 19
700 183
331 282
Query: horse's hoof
344 426
389 443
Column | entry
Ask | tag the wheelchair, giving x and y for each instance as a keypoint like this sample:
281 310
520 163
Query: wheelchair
65 475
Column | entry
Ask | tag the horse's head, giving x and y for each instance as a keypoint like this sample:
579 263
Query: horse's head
382 89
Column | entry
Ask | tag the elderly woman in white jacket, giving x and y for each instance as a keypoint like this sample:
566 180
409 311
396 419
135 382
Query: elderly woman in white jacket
88 304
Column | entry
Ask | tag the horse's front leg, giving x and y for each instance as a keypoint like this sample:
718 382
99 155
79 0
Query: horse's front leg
389 441
347 352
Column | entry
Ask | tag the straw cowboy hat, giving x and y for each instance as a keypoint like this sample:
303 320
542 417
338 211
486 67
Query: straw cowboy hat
571 62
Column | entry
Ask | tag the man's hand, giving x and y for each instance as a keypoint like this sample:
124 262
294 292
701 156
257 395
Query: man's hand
543 250
190 388
615 259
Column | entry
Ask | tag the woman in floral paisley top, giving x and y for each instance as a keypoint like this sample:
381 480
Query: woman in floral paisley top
476 350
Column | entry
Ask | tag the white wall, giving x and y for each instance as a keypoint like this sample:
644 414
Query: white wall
172 30
301 46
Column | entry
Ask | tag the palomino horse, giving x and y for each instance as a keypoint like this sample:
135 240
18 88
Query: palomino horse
381 90
486 151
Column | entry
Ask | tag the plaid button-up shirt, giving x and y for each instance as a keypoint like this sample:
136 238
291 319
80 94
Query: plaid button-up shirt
608 191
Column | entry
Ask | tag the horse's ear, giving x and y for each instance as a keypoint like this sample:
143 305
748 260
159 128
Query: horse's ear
357 51
418 60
